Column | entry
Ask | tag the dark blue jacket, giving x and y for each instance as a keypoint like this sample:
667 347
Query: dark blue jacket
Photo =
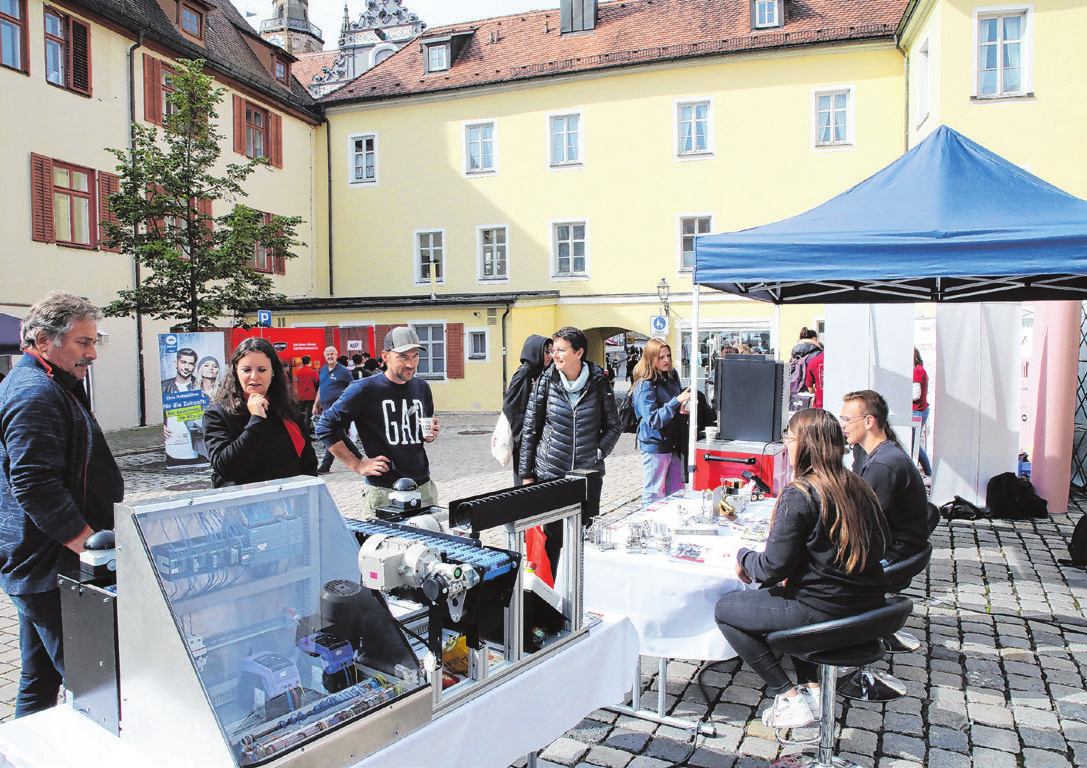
58 475
657 407
557 437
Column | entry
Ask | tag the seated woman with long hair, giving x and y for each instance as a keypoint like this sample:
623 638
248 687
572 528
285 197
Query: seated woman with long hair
821 562
253 430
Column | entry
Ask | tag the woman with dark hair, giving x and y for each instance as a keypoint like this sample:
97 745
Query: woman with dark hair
659 398
821 562
253 431
535 357
571 421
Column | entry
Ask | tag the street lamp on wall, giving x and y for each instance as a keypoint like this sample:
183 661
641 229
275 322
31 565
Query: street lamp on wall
663 292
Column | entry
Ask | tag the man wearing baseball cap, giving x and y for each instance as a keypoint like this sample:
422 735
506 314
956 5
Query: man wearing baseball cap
394 416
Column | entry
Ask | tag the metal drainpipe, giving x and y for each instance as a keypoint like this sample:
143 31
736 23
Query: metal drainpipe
505 376
328 195
141 392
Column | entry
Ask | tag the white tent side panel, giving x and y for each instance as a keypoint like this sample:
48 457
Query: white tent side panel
978 391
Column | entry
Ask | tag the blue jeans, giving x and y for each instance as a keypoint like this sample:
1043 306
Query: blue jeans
662 475
746 617
926 467
41 648
326 462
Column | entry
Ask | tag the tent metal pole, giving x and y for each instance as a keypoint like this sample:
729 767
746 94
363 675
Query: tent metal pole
696 366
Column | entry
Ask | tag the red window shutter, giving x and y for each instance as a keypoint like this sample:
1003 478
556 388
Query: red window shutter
275 140
81 56
152 89
454 345
279 259
380 332
108 184
41 199
239 124
203 207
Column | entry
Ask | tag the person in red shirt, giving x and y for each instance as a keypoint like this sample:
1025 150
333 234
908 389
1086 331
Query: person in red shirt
813 379
920 407
305 387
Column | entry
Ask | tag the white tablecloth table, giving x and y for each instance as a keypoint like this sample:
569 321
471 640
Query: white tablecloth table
522 714
670 601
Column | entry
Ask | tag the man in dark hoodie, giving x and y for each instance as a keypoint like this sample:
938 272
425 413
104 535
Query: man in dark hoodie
535 357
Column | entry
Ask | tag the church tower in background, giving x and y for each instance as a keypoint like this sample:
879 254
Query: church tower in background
290 27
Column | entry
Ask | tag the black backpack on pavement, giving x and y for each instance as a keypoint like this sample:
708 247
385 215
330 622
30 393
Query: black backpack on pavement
1011 497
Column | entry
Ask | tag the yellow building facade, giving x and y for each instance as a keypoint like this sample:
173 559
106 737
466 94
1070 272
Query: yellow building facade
586 236
77 75
999 74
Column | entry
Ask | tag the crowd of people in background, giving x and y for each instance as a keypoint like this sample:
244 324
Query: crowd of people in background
832 529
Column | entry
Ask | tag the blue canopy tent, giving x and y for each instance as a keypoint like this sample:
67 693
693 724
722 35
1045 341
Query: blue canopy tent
947 221
9 335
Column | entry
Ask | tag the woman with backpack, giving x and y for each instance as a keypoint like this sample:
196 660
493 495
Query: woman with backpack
659 400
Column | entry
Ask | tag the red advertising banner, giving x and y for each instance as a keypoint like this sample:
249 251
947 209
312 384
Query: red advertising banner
290 343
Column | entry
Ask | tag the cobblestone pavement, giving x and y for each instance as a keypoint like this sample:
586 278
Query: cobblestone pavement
999 680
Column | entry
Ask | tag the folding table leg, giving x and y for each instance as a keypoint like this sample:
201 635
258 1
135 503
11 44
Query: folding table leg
635 708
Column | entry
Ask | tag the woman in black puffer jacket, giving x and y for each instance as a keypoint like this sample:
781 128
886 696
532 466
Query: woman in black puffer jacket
571 421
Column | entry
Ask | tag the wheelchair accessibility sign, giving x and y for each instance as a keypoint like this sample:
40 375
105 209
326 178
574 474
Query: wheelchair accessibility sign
658 325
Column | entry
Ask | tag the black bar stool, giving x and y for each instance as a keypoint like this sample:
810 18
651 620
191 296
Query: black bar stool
850 642
882 687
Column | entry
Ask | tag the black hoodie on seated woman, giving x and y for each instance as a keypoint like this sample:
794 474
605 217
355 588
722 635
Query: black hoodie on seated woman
520 387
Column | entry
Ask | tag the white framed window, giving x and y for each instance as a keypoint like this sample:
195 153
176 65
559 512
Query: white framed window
832 118
432 362
1003 41
566 147
362 159
766 13
429 256
690 227
437 57
493 253
923 68
477 344
694 128
480 148
570 249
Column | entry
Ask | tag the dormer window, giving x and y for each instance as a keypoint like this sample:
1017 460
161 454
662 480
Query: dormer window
439 53
192 21
767 14
281 70
437 57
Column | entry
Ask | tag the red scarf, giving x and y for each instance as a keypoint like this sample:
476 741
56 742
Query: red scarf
296 435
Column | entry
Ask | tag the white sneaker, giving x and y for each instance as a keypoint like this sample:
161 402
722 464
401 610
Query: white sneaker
788 712
814 698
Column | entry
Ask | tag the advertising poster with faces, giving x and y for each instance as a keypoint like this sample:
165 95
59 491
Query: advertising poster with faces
191 367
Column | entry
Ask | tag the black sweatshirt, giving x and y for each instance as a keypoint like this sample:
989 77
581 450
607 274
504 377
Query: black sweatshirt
800 551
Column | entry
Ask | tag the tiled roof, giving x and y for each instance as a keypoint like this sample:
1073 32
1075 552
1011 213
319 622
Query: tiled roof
310 64
528 45
225 47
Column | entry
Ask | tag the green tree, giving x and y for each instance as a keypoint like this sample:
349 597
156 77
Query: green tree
200 267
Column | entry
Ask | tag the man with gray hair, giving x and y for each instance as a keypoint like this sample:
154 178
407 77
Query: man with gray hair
58 484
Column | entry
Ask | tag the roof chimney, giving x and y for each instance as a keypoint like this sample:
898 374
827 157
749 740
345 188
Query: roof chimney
577 15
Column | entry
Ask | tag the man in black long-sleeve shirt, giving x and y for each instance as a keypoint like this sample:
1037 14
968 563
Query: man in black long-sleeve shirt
889 470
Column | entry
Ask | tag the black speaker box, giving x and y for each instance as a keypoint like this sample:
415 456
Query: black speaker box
749 397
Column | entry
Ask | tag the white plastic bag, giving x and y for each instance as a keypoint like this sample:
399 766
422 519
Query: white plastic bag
502 441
